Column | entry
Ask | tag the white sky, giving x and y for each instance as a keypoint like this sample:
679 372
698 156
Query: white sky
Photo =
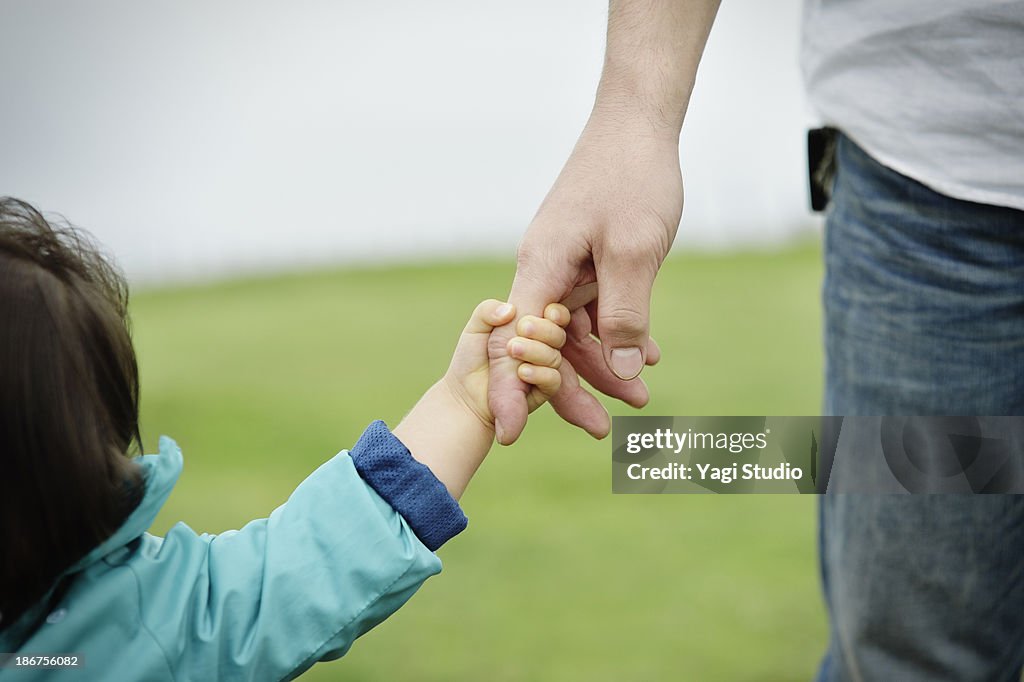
197 139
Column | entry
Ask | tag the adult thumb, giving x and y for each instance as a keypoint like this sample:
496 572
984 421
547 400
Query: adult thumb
623 312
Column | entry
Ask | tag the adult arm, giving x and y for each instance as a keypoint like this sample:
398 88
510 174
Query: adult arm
611 216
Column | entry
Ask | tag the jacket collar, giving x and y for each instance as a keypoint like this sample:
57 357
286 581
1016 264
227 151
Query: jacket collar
160 472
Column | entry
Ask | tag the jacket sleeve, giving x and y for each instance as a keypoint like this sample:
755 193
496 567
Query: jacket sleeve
270 600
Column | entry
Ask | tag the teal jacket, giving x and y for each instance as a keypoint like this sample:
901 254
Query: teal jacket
353 542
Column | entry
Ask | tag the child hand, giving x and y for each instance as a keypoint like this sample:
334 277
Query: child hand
451 429
536 346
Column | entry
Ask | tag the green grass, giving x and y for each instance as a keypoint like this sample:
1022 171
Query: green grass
556 578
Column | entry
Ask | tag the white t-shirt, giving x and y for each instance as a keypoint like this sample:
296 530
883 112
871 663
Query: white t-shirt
934 89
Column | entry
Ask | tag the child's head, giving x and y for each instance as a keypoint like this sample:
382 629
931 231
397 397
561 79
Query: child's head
69 399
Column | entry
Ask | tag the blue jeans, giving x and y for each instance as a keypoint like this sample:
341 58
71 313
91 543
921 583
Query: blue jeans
924 315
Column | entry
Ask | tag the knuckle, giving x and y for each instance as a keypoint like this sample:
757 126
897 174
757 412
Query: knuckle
623 322
633 251
538 260
640 255
529 255
497 344
641 246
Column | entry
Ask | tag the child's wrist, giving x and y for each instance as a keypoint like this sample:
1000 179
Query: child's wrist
462 402
446 435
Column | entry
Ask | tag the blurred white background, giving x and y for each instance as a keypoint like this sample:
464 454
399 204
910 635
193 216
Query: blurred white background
201 139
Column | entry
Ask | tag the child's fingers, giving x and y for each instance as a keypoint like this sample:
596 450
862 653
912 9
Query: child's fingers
557 313
542 330
488 315
534 352
547 379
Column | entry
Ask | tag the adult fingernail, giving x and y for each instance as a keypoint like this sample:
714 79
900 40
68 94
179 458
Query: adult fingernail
627 362
503 310
499 432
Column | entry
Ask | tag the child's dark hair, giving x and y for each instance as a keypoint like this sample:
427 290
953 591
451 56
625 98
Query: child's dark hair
69 403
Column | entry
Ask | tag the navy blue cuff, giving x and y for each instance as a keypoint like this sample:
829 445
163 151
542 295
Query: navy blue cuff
408 486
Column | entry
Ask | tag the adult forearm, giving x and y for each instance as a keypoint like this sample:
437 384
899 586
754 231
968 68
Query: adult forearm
651 59
612 214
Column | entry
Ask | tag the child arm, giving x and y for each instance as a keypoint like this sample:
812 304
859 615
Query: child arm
451 428
354 541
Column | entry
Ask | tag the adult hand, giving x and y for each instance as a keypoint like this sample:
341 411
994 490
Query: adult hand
609 219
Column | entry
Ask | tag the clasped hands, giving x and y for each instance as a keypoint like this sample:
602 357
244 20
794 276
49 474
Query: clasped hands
595 245
513 357
595 248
